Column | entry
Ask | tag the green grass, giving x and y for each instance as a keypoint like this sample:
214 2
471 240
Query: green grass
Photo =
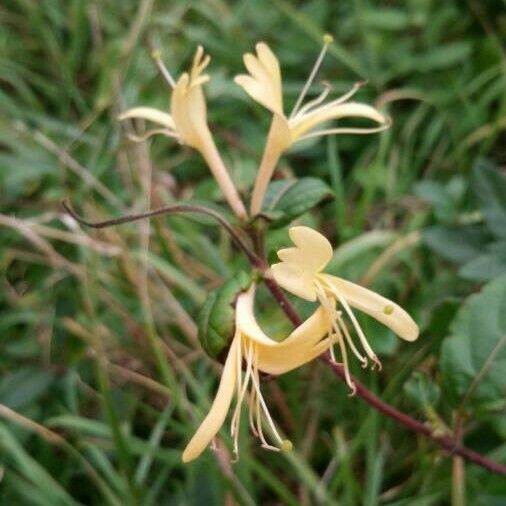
102 379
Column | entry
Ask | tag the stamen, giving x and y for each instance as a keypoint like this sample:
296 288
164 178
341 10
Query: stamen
258 420
318 100
346 368
327 40
234 428
370 353
251 410
332 329
236 418
347 95
157 57
256 384
349 340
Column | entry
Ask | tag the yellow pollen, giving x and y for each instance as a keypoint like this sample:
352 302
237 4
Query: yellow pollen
286 446
388 309
328 39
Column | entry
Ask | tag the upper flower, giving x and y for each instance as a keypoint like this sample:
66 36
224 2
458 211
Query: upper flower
251 352
188 122
301 272
264 84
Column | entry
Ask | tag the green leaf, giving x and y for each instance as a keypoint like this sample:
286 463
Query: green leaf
288 199
422 390
444 198
473 358
490 265
489 187
458 244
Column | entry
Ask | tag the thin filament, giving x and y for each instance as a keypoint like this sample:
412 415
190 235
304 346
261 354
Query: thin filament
157 57
349 340
318 100
347 95
370 353
316 67
255 380
236 418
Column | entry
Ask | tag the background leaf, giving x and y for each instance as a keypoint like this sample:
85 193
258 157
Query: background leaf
473 358
286 200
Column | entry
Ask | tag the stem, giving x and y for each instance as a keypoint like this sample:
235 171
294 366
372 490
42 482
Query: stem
451 444
173 209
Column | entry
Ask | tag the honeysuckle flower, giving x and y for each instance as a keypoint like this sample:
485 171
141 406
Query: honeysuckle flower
264 85
252 348
187 123
301 273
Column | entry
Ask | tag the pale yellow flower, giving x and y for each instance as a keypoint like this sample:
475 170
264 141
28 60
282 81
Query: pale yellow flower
264 84
301 273
187 123
259 353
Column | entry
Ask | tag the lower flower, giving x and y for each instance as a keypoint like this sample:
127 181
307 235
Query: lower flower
252 352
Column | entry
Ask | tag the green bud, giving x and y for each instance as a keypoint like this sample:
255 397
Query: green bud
216 320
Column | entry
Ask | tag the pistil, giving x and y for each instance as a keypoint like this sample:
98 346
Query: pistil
327 40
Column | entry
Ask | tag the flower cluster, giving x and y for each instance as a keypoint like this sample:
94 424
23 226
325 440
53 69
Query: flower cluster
250 351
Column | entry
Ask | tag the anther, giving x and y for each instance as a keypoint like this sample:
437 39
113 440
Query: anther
353 388
388 309
286 446
156 54
328 39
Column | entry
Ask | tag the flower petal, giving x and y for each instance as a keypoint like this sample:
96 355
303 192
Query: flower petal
300 347
188 107
245 320
382 309
150 114
219 409
293 279
263 83
315 249
301 125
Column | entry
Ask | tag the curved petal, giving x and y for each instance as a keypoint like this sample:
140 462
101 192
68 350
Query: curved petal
245 319
271 63
219 409
293 279
150 114
263 83
300 347
313 251
380 308
302 124
308 332
298 352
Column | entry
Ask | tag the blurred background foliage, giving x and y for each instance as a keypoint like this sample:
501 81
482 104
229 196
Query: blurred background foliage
102 379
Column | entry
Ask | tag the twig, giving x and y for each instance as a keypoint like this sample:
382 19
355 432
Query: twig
174 209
